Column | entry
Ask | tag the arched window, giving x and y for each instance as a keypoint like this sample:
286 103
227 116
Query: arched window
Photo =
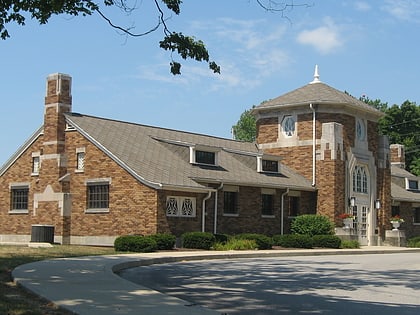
360 179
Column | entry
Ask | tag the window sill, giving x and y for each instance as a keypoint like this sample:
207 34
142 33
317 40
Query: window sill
230 214
102 210
79 171
268 216
18 211
34 174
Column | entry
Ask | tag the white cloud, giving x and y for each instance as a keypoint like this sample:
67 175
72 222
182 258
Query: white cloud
325 39
406 10
362 6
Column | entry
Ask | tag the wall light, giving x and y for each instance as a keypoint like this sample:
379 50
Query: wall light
377 204
352 201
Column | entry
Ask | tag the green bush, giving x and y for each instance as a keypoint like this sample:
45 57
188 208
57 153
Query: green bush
312 224
293 241
198 240
326 241
222 238
135 243
164 241
236 244
350 244
263 241
413 242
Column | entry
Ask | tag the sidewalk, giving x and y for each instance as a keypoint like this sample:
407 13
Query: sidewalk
89 285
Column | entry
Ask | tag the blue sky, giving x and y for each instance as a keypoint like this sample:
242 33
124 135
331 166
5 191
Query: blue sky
364 47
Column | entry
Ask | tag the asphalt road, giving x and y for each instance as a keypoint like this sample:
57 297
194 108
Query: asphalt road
360 284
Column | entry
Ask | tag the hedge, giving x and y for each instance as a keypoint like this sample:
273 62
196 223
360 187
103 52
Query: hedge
262 241
164 241
326 241
135 243
293 241
198 240
312 224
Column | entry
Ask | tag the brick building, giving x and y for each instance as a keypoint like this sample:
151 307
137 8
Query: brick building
93 179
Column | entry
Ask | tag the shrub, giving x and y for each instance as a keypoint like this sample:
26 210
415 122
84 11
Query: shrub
413 242
350 244
164 241
198 240
222 238
326 241
236 244
135 243
262 241
293 241
312 224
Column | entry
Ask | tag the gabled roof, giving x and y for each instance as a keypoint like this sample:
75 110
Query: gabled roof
400 194
316 93
160 158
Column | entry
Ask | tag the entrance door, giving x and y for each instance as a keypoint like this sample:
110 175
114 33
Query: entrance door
361 226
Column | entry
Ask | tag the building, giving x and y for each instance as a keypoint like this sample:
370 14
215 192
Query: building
92 179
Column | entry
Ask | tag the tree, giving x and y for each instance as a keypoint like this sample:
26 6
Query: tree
246 127
402 124
187 47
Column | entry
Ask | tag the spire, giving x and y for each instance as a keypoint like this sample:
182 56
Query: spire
316 76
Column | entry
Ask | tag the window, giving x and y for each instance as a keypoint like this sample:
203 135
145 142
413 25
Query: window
288 126
35 165
80 163
395 210
177 206
360 130
413 184
98 196
19 198
204 157
416 218
293 206
270 166
360 180
267 204
230 200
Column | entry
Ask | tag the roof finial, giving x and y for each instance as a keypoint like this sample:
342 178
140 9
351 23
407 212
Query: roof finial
316 76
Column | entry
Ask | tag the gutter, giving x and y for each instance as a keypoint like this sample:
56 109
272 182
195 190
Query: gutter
282 211
313 145
203 211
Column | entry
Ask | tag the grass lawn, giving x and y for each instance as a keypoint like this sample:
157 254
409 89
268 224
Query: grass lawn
15 300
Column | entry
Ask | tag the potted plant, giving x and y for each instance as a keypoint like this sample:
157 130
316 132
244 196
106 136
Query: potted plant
396 221
347 219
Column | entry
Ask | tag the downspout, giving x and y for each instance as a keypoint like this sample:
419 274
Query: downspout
215 208
282 211
203 211
313 145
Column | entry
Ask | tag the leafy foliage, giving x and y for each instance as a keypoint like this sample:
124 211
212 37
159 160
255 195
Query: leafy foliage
246 127
293 241
185 46
326 241
350 244
312 224
414 242
135 243
236 244
262 241
198 240
164 241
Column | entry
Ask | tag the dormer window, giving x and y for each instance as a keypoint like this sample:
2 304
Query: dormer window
204 155
412 184
268 164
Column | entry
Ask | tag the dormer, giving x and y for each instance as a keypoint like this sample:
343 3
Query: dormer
268 164
412 183
204 155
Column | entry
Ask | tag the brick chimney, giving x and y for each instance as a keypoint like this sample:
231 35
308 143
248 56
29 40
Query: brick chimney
57 102
397 155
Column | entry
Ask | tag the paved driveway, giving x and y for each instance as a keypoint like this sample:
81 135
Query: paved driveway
360 284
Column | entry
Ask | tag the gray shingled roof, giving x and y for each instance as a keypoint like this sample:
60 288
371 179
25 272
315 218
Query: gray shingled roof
160 157
316 93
